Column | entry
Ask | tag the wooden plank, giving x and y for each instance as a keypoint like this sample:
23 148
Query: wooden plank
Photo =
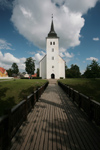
56 124
46 137
34 136
18 140
79 126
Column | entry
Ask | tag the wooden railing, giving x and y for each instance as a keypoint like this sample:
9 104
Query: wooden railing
90 107
13 118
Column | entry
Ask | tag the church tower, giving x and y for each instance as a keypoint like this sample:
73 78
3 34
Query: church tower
52 66
52 50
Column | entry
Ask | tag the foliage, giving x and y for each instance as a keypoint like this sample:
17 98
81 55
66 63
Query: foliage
30 65
73 72
13 91
14 68
31 78
89 87
9 71
61 77
37 72
13 71
92 70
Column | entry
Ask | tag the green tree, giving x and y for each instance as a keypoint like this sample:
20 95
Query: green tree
73 72
30 66
14 68
37 72
92 70
66 68
9 71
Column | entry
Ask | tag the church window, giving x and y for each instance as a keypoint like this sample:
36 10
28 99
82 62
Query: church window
53 43
50 43
52 49
52 66
52 58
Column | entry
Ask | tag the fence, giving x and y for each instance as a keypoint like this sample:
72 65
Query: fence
13 118
90 107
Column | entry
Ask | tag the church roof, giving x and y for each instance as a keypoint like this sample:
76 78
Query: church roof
52 33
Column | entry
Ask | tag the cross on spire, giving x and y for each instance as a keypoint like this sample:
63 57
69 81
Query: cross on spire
52 32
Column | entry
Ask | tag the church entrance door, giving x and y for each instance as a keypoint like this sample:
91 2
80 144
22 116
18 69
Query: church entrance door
52 76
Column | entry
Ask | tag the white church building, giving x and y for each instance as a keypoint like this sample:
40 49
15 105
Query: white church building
52 66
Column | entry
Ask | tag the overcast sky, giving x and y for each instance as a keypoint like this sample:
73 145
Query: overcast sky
24 25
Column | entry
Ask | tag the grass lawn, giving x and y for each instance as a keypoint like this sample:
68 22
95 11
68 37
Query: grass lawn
13 91
89 87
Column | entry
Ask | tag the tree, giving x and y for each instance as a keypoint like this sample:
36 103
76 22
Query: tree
92 70
73 72
14 68
9 71
30 66
37 72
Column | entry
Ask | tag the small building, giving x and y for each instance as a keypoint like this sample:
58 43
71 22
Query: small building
3 72
34 75
52 65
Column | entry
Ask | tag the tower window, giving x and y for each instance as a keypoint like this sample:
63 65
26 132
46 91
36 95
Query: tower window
52 66
52 58
50 43
52 49
53 43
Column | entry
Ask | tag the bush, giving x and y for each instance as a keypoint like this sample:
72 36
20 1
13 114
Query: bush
24 77
31 78
37 78
61 78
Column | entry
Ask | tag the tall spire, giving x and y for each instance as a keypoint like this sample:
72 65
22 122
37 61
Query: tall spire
52 32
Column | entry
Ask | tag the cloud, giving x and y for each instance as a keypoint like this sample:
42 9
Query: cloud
92 58
5 45
81 6
8 59
33 20
37 57
69 55
96 39
6 4
62 49
61 54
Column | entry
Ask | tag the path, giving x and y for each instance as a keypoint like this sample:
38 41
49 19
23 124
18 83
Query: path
56 124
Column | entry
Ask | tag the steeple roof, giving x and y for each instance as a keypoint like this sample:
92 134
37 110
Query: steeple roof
52 33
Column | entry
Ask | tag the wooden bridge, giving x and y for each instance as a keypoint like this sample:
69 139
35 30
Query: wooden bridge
56 123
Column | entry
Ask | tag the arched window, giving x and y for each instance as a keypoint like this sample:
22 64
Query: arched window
52 58
53 43
52 49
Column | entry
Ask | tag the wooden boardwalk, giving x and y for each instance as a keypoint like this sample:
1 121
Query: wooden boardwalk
55 123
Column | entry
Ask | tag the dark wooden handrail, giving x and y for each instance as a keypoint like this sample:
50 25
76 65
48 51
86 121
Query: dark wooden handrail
89 106
13 118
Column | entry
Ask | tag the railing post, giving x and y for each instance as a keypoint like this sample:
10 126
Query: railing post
32 100
91 109
37 94
7 131
26 111
79 99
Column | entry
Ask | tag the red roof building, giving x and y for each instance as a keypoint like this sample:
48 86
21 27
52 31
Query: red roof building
35 75
3 72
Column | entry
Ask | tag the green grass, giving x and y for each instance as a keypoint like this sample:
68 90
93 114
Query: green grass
12 92
89 87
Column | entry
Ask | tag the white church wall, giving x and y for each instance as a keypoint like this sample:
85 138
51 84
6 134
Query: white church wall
43 68
52 58
61 68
